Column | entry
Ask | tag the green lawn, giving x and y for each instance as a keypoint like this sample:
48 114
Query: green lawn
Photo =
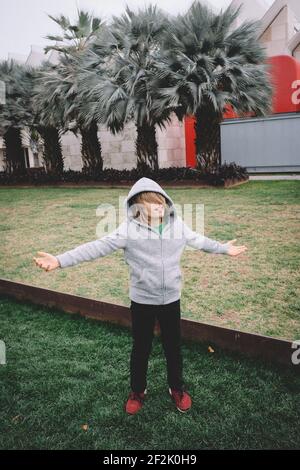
257 291
64 372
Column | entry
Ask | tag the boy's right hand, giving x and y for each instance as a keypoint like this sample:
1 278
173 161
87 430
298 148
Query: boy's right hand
46 261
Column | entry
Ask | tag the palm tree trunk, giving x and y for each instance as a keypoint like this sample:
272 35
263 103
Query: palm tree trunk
52 155
15 161
208 140
146 147
91 150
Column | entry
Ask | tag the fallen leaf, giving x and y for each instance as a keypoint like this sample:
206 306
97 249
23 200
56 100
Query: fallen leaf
16 418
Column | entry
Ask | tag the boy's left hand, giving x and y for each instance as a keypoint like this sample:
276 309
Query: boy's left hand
235 250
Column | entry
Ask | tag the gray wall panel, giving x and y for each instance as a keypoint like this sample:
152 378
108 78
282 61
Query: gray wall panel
262 144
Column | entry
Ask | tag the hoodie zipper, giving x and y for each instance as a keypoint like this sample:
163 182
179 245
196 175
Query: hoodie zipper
161 253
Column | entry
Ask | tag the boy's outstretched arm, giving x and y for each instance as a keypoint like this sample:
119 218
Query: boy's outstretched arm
196 240
90 250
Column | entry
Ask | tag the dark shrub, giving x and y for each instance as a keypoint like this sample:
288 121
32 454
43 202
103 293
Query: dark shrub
38 176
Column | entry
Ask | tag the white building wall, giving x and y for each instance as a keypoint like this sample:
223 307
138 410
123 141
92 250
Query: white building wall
275 37
118 151
280 27
296 53
249 10
71 151
171 144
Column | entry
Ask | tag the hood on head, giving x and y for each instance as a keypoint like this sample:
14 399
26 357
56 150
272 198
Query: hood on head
147 184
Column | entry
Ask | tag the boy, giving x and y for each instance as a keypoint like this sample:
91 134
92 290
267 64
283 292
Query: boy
153 237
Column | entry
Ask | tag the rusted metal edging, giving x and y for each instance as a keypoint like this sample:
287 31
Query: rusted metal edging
253 345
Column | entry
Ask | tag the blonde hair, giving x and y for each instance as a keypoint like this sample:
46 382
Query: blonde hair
140 211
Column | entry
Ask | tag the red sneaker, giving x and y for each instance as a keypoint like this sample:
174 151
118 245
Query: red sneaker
135 402
182 399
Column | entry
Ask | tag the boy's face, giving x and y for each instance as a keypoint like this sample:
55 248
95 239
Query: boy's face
154 210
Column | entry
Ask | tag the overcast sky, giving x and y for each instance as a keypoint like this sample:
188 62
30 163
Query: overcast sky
25 22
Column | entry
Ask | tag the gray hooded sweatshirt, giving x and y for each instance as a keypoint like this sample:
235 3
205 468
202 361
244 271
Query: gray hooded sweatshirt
153 258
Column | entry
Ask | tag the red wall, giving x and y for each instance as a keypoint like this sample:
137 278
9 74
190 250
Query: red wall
284 71
190 141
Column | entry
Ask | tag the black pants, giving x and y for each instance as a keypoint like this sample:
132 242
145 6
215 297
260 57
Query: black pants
143 321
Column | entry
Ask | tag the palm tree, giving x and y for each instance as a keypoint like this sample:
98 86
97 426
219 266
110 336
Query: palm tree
205 67
15 112
75 37
60 97
63 86
48 118
120 86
